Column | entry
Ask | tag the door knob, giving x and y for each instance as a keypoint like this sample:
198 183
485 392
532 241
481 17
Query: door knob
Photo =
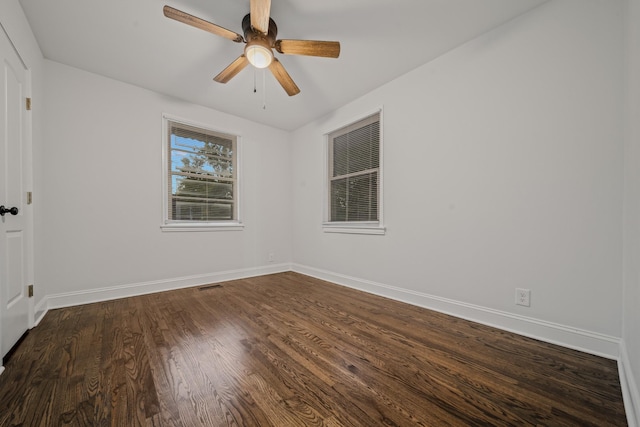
12 211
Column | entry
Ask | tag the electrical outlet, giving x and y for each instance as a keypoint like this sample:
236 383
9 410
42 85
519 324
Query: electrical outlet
272 256
523 297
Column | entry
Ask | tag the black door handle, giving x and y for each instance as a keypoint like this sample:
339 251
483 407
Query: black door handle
12 211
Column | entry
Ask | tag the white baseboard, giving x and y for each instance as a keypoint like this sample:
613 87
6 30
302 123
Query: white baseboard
69 299
577 339
40 310
630 391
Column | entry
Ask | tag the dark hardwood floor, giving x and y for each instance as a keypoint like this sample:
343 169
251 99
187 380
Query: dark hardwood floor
290 350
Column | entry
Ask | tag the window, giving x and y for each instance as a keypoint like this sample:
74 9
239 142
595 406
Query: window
201 177
354 182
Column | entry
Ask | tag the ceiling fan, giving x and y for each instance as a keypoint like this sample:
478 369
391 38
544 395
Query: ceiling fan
260 33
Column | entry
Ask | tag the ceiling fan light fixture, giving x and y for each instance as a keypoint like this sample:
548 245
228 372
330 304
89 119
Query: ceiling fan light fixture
258 55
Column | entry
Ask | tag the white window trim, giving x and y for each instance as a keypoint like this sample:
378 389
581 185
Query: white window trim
355 227
166 224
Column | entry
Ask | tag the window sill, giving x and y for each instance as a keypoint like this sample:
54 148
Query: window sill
232 226
354 228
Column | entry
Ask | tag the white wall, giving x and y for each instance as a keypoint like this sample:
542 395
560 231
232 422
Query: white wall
502 168
103 198
631 316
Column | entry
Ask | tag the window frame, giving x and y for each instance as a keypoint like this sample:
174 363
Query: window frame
185 225
353 227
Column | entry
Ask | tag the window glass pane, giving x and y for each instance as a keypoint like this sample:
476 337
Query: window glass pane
202 188
357 150
363 153
200 210
341 155
362 200
339 200
202 157
355 198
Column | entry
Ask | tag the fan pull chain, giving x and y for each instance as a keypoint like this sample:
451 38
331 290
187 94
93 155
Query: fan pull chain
254 80
264 90
264 86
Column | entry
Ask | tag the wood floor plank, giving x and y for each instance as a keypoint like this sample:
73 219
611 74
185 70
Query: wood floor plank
290 350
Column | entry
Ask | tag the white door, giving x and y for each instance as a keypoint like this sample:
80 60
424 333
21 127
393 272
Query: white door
15 228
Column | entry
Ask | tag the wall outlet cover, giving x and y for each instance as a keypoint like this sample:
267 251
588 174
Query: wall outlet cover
523 297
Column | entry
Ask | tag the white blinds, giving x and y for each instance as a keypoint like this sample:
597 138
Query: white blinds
354 156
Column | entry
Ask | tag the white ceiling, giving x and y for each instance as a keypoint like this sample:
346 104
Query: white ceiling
133 42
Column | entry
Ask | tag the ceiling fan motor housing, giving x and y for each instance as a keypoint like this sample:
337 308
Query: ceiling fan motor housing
251 34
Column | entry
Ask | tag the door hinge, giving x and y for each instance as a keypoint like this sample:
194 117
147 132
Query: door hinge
29 197
30 290
28 104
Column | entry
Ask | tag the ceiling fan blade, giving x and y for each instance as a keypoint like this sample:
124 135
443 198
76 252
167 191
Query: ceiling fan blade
309 48
283 77
234 68
194 21
260 10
